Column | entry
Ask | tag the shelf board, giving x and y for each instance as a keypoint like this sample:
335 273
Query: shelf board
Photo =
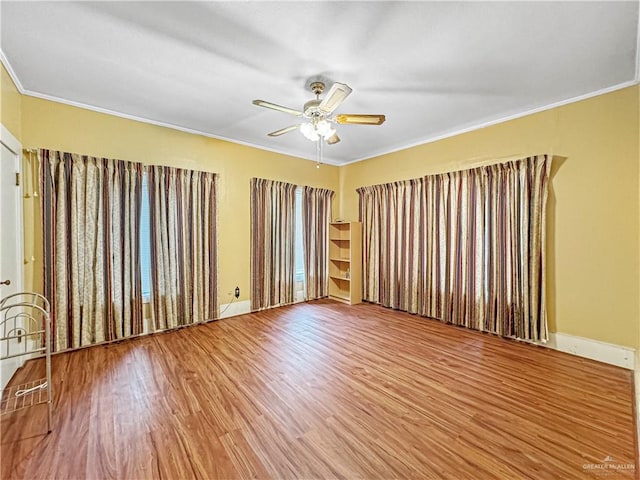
339 239
336 277
11 402
336 259
344 297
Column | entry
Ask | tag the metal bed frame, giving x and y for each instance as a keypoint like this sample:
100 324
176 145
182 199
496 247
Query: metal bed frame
25 331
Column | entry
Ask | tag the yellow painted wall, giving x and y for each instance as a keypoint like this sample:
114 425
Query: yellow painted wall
10 111
594 215
52 125
593 244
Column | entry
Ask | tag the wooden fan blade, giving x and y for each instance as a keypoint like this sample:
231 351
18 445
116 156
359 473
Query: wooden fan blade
282 131
274 106
333 139
334 97
360 119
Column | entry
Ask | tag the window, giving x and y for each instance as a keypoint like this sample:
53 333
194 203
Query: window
299 253
145 242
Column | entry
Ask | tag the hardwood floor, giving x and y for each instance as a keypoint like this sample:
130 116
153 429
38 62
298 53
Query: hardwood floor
324 390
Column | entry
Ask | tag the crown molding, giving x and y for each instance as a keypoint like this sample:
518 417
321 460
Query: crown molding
11 72
327 160
488 123
106 111
172 126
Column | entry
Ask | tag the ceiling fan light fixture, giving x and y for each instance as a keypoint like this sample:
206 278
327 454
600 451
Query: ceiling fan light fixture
319 124
325 129
309 131
317 129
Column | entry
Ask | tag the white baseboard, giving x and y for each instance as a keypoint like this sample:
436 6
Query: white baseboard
585 347
235 308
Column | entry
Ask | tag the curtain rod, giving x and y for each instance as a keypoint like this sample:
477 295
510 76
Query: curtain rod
36 150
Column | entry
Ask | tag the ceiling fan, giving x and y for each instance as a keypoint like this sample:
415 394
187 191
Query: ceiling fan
318 114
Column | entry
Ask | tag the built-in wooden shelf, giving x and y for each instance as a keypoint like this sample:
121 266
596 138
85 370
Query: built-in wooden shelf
345 275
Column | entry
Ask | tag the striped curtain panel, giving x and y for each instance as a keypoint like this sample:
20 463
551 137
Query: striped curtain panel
182 212
392 217
477 256
91 212
272 243
316 216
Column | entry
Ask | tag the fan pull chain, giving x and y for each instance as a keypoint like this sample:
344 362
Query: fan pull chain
319 152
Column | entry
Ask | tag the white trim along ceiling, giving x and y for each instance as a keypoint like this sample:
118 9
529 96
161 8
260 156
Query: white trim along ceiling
435 69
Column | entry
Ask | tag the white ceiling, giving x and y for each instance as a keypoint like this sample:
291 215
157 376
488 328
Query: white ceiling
432 68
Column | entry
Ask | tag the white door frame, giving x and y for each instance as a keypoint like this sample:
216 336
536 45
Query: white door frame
8 141
15 147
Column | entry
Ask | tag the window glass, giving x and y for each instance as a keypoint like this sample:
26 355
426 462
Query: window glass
145 241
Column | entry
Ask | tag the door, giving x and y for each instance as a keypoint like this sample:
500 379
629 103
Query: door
10 235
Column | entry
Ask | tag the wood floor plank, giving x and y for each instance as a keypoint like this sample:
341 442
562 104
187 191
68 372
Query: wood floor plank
243 457
324 390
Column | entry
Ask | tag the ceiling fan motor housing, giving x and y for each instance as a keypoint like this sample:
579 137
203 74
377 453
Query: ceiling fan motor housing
311 109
